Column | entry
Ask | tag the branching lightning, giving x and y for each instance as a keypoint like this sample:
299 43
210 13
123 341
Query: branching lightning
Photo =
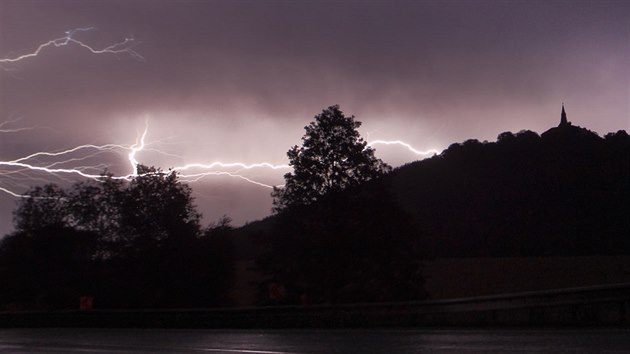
26 164
101 148
196 177
62 164
30 167
404 144
122 47
5 129
137 147
191 172
11 193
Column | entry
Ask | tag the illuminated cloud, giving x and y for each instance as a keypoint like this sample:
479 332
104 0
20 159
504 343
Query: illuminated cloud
235 81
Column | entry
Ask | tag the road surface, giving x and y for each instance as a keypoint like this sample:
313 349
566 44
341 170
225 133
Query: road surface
313 341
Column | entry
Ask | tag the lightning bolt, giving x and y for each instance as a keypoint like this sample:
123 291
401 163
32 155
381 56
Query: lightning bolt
137 147
101 148
240 165
198 176
122 47
24 164
234 169
404 144
5 129
193 172
2 189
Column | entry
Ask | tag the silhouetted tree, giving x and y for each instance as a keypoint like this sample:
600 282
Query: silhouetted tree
157 209
339 238
146 248
46 268
42 207
96 206
353 246
152 209
565 192
214 251
333 157
155 229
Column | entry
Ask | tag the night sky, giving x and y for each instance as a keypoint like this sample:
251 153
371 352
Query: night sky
237 81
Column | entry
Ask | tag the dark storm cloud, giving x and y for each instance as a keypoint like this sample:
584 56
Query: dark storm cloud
281 55
241 78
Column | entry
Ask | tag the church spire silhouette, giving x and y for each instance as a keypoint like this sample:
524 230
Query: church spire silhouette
563 118
567 133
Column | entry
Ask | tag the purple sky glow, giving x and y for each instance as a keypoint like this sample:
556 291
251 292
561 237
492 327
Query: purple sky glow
237 81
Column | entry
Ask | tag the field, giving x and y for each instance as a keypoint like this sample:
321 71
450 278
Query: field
448 278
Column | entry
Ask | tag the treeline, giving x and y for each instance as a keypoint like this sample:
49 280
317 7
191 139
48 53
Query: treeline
338 236
346 228
565 192
136 244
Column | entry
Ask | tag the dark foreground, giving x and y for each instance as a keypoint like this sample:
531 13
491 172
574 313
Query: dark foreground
312 341
605 306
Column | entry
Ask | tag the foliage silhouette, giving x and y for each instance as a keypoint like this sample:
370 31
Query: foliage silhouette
146 245
563 193
333 157
566 192
347 247
45 206
341 237
49 268
327 246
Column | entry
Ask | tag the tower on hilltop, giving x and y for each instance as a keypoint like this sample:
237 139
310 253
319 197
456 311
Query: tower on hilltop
563 118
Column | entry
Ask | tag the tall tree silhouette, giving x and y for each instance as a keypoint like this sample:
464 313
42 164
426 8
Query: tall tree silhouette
333 157
340 237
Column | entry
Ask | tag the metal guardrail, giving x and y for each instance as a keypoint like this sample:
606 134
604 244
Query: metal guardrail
595 305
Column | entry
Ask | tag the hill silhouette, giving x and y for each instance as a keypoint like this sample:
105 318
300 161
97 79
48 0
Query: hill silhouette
564 192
